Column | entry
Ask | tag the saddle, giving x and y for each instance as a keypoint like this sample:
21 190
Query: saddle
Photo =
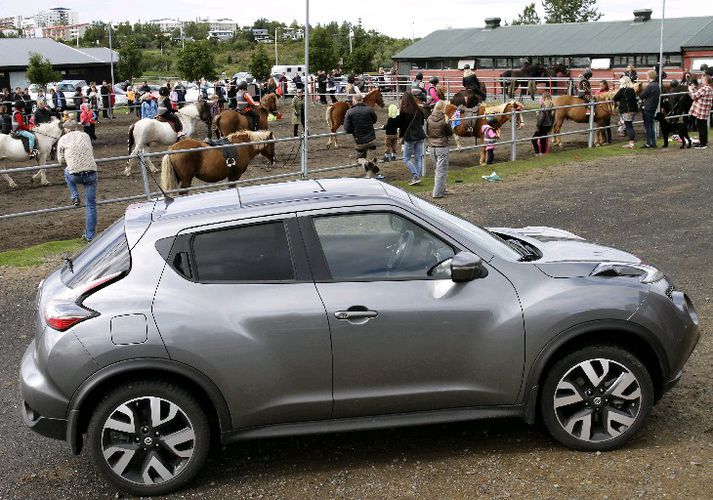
175 124
25 140
230 154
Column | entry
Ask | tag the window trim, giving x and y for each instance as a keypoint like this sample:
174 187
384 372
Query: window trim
318 261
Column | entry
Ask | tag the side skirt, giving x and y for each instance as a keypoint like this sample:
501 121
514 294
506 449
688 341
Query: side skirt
375 422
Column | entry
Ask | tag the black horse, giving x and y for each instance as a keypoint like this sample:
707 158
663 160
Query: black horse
678 104
510 83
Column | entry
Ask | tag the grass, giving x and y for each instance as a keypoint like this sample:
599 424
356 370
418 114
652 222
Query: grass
39 254
472 175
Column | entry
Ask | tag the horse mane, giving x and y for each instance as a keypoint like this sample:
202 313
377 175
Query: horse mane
250 136
190 110
500 108
43 127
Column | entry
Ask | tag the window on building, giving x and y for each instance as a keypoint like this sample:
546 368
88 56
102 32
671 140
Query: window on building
674 59
502 63
581 62
620 62
258 253
450 64
485 63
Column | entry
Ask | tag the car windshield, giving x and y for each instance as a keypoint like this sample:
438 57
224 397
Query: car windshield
485 239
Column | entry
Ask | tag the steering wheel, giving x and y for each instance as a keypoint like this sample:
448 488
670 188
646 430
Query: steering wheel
404 243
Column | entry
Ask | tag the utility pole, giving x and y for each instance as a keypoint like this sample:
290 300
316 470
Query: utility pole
111 57
275 46
351 35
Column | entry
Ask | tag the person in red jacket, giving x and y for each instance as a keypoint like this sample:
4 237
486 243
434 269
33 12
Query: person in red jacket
23 129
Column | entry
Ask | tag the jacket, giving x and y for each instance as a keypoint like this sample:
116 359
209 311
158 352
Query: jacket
650 97
6 123
438 130
411 127
75 150
87 116
42 116
20 120
702 102
545 118
392 126
149 109
298 111
359 121
626 98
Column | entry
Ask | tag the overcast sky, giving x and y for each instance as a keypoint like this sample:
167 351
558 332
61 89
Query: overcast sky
398 18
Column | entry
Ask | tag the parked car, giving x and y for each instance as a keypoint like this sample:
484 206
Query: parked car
337 305
68 87
243 75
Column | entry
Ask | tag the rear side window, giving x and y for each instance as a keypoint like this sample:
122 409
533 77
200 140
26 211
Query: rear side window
258 253
108 254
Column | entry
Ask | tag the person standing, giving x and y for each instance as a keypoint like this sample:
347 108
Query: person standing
232 93
545 121
359 121
603 89
298 112
87 119
490 137
438 132
322 86
650 100
42 114
74 149
701 108
5 120
104 93
77 100
282 81
411 133
391 136
626 97
130 96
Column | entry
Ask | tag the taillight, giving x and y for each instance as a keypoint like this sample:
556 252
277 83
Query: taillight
63 314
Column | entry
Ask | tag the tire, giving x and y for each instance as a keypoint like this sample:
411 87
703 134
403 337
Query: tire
155 437
596 398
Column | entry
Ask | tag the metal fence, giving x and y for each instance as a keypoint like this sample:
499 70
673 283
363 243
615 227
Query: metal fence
304 171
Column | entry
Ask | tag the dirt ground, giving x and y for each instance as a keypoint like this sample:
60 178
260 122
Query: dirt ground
656 206
112 141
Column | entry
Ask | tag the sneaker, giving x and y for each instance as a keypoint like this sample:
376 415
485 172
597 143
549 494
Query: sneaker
387 157
628 146
88 240
379 177
414 181
393 156
698 146
75 202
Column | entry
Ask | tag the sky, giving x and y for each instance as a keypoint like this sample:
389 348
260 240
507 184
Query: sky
397 18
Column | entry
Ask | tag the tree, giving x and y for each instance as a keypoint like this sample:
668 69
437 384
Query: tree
130 60
322 53
260 63
39 70
361 59
196 61
528 16
570 11
197 31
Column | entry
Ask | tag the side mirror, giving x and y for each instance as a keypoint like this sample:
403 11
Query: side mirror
466 266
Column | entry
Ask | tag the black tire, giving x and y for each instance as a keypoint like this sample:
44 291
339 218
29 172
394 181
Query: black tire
169 393
600 438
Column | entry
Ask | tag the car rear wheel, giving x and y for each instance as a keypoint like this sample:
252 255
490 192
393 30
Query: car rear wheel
149 438
597 398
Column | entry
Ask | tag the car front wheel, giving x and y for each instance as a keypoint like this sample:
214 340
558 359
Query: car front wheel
597 398
149 438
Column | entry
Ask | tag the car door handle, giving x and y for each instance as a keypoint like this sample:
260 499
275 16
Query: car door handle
360 314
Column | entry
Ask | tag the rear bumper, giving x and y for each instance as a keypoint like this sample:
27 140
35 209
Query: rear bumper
50 427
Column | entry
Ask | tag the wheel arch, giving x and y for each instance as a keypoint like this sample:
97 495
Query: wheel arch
92 390
625 334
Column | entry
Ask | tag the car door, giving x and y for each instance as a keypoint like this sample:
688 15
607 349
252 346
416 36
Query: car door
238 303
403 340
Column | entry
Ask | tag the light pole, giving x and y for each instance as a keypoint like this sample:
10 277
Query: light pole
306 98
663 17
111 57
351 35
275 46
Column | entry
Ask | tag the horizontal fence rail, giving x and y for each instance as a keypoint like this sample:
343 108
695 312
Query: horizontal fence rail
149 194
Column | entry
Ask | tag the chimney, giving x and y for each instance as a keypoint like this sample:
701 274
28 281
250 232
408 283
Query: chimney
642 15
493 22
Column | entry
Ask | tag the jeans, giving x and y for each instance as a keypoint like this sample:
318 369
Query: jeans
649 128
414 165
702 131
89 181
30 137
629 126
440 173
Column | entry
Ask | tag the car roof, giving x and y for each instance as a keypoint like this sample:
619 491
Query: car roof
277 198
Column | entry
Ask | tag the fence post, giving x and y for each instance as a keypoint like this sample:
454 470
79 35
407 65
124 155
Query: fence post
304 171
513 136
144 175
591 125
448 90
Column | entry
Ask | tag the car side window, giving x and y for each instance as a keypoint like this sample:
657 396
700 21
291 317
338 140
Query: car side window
258 253
378 246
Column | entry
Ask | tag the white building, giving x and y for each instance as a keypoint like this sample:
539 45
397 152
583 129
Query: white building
223 24
293 34
166 25
57 16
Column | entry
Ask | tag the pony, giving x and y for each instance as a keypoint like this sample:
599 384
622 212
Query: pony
150 132
559 70
510 83
473 127
335 112
46 136
602 113
230 121
209 165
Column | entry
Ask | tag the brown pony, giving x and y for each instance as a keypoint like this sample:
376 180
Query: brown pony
336 112
209 165
602 113
230 121
474 128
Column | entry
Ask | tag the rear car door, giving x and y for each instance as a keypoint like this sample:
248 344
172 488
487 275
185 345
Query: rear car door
403 340
237 302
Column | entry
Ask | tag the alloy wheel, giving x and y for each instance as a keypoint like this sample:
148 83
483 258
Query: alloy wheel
147 440
597 400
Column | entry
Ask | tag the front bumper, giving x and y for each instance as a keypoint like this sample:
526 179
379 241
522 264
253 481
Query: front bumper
43 407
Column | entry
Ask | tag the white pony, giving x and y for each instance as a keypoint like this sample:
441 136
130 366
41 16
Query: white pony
46 135
150 132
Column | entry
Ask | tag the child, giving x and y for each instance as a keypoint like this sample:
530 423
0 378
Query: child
490 137
392 133
87 119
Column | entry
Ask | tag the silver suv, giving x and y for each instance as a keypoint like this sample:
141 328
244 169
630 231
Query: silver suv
336 305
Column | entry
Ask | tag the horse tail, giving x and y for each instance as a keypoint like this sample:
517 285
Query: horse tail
216 124
169 180
328 116
131 138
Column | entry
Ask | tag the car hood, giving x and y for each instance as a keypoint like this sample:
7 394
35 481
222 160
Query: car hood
565 254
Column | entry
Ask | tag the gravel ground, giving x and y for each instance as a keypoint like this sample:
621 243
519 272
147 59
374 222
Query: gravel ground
656 206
